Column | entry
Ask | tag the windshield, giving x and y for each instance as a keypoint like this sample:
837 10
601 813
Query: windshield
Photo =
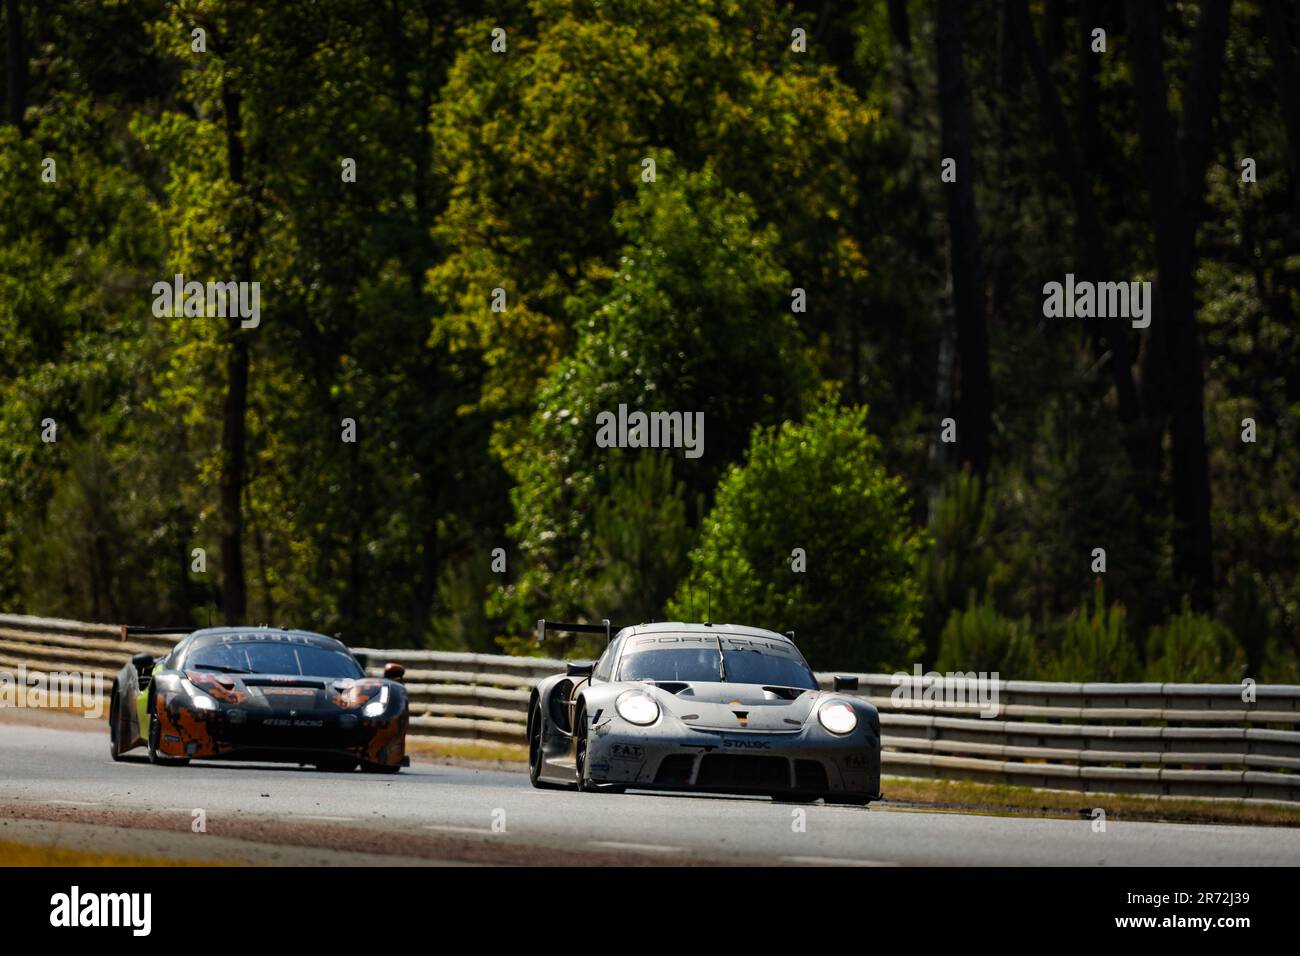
299 660
752 664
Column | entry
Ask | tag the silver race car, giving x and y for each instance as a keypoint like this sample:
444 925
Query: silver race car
716 708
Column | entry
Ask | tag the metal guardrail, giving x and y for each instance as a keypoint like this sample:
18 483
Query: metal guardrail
1179 740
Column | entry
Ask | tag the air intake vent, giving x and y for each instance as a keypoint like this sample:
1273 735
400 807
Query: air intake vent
746 773
810 775
675 770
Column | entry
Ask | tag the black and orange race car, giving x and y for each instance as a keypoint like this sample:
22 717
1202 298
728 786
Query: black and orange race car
259 694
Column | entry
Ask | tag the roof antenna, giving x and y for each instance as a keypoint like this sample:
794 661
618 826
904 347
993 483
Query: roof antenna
708 614
690 598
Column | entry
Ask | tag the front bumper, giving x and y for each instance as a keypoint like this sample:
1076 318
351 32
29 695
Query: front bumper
275 735
811 762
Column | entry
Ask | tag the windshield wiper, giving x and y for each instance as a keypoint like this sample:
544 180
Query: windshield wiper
722 661
221 667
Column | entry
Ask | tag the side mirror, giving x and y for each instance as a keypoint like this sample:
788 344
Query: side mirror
579 668
394 671
143 664
845 683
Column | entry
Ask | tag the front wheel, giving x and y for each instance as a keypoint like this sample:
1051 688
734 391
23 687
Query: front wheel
585 783
535 753
848 800
380 767
342 765
580 751
155 755
115 727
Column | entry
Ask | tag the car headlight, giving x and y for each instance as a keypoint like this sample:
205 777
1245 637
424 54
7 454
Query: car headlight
200 700
377 706
637 707
837 717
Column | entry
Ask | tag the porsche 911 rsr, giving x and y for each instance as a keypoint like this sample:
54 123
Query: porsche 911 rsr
262 694
702 707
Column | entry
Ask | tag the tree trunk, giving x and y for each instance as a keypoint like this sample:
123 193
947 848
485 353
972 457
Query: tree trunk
352 597
899 26
1174 163
974 422
234 596
1288 87
1093 260
15 66
1088 98
1054 31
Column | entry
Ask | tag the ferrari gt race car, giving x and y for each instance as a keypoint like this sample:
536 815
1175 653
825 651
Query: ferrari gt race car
715 708
260 694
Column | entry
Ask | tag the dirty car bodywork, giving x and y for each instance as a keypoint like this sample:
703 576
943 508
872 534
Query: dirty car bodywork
703 707
260 694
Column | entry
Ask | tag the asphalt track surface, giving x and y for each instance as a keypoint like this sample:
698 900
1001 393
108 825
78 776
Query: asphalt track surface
59 787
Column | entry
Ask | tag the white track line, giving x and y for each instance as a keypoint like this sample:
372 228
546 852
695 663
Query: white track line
481 831
641 847
833 861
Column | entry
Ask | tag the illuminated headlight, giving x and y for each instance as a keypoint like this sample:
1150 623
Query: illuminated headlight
837 717
200 700
637 707
377 706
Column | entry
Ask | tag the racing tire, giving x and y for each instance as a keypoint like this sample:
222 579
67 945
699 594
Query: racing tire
847 800
156 757
580 751
336 766
535 750
389 768
114 727
580 760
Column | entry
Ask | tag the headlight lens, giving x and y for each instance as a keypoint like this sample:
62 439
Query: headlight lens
637 707
837 717
378 705
200 700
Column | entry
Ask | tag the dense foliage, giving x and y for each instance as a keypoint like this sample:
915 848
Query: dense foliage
812 532
729 207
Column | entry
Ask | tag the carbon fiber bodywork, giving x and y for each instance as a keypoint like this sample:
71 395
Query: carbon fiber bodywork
708 736
182 712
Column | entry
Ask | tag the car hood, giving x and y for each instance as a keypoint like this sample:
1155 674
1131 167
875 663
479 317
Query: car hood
279 691
712 705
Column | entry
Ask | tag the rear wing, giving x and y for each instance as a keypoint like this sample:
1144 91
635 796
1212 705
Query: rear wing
131 629
543 625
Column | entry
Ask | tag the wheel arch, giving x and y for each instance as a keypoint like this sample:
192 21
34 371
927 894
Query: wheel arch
534 706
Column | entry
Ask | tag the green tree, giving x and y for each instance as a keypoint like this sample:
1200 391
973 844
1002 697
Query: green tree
543 143
978 638
643 533
1193 649
820 487
693 319
1095 645
961 556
